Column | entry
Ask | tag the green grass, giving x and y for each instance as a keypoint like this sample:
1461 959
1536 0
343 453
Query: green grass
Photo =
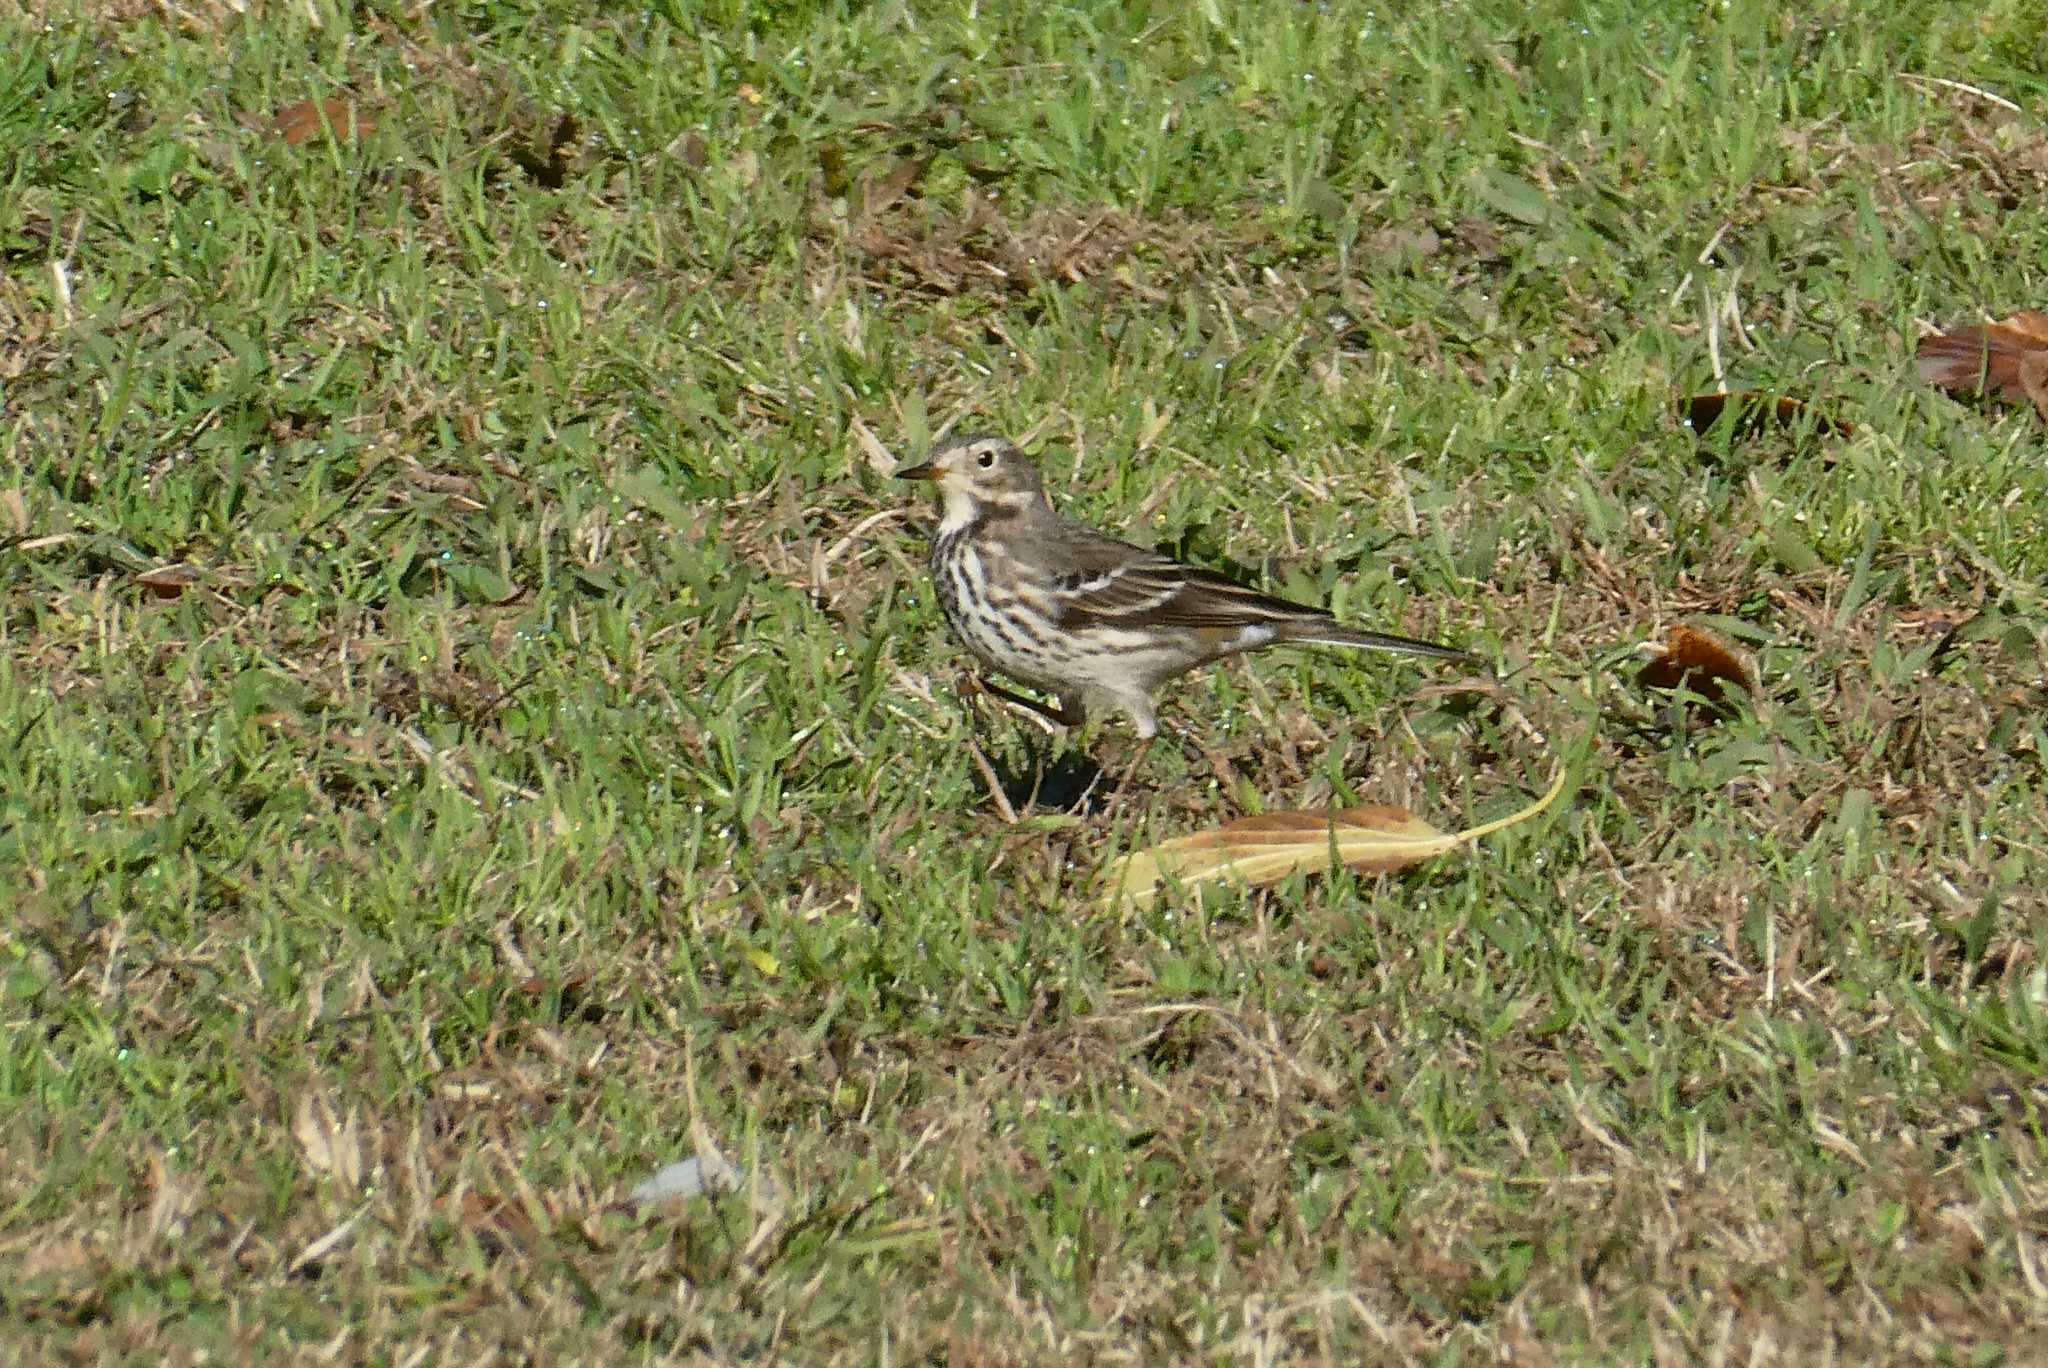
557 755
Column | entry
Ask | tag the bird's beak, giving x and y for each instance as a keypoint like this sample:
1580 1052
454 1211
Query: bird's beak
927 471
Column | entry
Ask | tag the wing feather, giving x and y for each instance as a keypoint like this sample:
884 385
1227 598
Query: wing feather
1117 584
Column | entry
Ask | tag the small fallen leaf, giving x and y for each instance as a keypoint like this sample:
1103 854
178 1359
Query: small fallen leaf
690 149
300 123
877 196
1755 411
748 93
2008 358
1375 838
549 161
168 581
1697 660
1398 243
536 985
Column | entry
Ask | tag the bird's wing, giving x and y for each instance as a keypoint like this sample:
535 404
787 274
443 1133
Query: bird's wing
1105 582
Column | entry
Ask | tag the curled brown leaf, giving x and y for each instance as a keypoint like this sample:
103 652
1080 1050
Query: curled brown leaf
1754 411
168 581
1697 660
878 195
2008 358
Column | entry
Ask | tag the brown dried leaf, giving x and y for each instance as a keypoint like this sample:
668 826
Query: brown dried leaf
1696 660
2034 380
690 149
537 985
549 161
1256 851
168 581
1397 243
300 123
877 196
2008 358
1756 411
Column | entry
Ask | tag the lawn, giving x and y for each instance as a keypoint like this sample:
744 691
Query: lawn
475 729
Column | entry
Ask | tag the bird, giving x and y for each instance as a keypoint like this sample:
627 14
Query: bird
1097 622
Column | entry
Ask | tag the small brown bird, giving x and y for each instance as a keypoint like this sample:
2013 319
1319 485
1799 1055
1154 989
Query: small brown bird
1097 622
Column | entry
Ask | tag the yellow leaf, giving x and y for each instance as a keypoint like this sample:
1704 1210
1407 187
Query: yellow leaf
765 962
1261 850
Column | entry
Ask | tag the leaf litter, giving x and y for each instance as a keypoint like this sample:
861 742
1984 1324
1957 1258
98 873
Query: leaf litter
2008 358
299 124
1376 838
1696 660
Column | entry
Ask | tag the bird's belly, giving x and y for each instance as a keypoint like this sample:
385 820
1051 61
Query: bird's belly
1012 636
1021 640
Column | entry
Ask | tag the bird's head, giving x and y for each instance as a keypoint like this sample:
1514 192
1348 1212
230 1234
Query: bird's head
980 475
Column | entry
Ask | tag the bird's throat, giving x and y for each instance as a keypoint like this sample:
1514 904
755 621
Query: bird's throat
959 510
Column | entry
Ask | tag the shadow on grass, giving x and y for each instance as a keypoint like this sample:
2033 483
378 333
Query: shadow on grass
1055 780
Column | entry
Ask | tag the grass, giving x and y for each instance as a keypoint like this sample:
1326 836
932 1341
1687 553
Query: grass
551 758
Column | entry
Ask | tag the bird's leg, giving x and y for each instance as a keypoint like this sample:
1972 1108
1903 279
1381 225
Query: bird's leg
1064 715
1138 753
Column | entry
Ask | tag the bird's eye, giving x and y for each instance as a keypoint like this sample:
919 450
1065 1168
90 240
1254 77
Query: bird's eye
986 459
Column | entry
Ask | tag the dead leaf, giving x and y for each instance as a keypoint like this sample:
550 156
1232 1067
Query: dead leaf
1697 660
168 581
549 161
877 196
1397 243
1756 411
2008 358
15 507
535 985
1256 851
300 123
690 149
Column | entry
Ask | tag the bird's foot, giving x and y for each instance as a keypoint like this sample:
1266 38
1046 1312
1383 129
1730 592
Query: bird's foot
971 686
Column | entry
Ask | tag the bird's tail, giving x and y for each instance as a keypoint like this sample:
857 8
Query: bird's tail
1331 634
